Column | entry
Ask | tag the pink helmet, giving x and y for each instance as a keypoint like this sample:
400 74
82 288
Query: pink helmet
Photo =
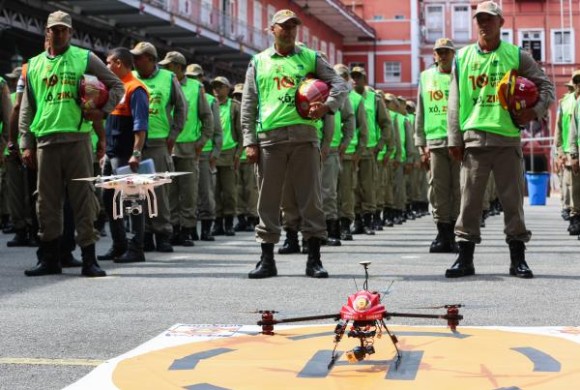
92 92
310 91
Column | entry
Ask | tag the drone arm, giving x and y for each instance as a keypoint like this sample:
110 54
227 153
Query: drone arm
117 206
273 321
152 203
452 316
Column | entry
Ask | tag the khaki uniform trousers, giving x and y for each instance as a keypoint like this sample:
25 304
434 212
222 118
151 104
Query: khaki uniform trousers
389 185
247 202
381 185
293 171
58 165
564 189
444 186
226 196
400 188
489 192
508 167
346 188
365 199
183 192
421 185
17 192
161 224
206 189
330 171
574 193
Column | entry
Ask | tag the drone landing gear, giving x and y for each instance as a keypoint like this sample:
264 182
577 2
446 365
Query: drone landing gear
365 332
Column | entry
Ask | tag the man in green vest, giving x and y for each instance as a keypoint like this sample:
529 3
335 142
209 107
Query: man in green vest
560 163
229 160
6 109
167 114
379 135
284 144
420 198
431 139
485 138
207 162
197 130
569 115
247 185
412 158
351 156
56 139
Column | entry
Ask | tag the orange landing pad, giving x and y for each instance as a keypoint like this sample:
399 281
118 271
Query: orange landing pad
237 357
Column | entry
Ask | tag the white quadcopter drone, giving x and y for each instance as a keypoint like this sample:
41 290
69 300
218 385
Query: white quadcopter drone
133 188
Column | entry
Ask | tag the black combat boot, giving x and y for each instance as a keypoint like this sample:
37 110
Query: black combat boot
314 267
185 237
116 250
377 220
176 237
368 227
333 229
206 230
519 267
305 246
358 225
266 267
241 224
290 243
148 243
218 227
48 264
229 225
463 266
133 254
90 266
345 229
252 223
444 242
68 260
194 235
163 244
388 217
20 238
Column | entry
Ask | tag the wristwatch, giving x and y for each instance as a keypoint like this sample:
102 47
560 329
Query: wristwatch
136 153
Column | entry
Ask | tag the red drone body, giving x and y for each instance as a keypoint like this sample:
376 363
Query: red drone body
93 93
310 91
363 306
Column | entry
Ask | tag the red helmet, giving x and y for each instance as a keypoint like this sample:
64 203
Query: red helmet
93 93
310 91
516 92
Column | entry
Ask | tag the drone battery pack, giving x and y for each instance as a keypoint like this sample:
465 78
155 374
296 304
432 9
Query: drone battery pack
145 166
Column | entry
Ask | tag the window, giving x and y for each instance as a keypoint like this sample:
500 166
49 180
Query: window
533 42
461 23
206 12
324 47
243 17
507 35
306 36
332 53
339 56
271 12
435 22
392 72
562 46
184 7
258 24
314 45
399 17
378 17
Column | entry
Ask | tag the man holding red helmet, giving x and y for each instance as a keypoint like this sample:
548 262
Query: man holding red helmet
483 136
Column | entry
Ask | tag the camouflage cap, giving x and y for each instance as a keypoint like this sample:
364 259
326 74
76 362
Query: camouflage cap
488 7
444 43
575 75
283 16
144 48
359 70
570 84
402 99
411 104
59 18
221 80
341 69
194 70
173 56
390 97
15 74
239 88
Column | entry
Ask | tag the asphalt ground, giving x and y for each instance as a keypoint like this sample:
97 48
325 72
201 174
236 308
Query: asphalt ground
56 329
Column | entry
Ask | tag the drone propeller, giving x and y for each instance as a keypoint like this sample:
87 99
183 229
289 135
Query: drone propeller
458 305
101 178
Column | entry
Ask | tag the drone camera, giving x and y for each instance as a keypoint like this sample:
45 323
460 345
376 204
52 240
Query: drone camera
359 353
135 209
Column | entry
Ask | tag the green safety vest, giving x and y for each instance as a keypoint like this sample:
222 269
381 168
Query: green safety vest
434 94
208 147
159 87
337 134
371 110
226 120
403 135
54 84
355 100
567 106
192 129
479 75
277 79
